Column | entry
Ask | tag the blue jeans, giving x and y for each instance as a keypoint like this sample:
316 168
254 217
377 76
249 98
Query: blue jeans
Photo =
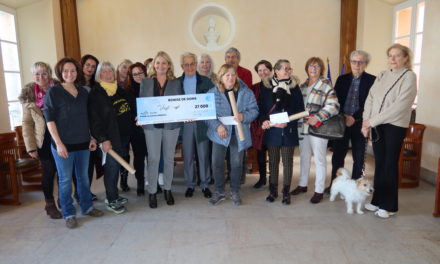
218 165
78 161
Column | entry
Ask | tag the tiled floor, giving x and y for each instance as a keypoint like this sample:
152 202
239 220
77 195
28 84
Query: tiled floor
194 232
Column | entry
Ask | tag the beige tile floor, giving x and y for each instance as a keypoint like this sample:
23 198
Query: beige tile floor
194 232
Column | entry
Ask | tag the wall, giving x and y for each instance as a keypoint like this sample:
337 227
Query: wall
137 29
375 25
429 91
37 36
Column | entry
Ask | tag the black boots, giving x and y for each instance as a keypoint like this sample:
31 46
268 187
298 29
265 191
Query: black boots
123 184
260 182
286 195
152 201
52 210
168 197
273 193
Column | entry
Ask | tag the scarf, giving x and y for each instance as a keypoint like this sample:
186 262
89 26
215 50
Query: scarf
39 96
281 91
281 84
110 88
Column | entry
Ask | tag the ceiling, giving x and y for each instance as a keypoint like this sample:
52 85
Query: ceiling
20 3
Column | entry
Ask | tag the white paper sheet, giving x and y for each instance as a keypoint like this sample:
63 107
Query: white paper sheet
227 120
279 118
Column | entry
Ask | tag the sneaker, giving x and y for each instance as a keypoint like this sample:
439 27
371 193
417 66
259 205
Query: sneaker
383 213
116 207
217 198
236 200
371 207
95 213
121 200
160 179
71 222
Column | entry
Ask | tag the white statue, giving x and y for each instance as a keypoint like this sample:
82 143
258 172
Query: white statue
211 36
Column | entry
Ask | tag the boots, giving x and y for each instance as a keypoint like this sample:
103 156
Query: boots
260 182
152 201
286 195
52 210
168 197
124 185
273 193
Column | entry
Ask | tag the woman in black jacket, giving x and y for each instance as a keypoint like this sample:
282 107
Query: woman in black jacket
111 123
284 95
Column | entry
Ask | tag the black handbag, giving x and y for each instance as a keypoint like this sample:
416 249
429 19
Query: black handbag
332 128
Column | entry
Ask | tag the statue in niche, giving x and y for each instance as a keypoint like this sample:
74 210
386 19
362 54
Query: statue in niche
211 36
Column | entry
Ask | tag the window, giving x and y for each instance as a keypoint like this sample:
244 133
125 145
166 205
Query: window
408 28
10 61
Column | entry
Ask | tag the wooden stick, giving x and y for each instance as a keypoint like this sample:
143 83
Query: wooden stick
235 111
296 116
121 161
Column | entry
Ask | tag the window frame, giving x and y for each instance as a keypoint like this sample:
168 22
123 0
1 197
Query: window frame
2 70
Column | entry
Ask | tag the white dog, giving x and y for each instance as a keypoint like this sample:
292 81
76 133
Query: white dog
353 191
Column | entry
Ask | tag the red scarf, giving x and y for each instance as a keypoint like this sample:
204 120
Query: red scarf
39 94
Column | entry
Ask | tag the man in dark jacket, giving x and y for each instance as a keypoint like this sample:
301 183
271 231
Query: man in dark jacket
352 91
194 133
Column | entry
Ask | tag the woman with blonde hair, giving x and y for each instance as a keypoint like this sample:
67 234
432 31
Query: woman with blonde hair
122 72
226 136
206 67
388 110
35 134
161 82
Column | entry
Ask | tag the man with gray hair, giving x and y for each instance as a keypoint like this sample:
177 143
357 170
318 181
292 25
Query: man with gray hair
194 133
352 91
233 57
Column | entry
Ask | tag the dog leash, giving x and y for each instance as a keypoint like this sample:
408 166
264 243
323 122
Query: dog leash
365 157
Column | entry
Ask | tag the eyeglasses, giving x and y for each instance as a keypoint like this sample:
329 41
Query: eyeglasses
286 69
315 66
192 64
357 62
396 56
138 74
42 74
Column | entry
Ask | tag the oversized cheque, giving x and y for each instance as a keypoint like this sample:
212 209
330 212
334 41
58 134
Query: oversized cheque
176 108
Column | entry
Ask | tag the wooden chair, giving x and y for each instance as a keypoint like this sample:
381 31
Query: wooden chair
9 186
16 170
32 176
437 193
410 156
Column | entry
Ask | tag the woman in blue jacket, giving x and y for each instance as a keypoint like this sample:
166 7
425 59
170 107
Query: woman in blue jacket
226 136
280 139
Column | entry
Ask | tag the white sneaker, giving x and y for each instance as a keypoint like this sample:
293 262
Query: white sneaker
371 207
160 179
383 213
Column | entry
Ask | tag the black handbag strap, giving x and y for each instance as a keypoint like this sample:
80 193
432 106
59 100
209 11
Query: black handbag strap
389 90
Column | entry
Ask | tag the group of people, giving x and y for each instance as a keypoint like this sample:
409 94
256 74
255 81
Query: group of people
92 106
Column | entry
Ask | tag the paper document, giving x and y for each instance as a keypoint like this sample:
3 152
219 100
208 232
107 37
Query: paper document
227 120
279 118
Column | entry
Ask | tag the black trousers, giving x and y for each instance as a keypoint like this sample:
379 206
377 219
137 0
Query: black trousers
139 147
49 167
340 149
386 154
261 160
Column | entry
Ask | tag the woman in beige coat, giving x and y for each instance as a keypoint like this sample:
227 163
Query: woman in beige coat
36 136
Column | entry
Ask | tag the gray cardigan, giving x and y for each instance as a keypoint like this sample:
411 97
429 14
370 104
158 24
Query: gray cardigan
173 87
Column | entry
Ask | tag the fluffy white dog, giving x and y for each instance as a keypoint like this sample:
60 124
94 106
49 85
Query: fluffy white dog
353 191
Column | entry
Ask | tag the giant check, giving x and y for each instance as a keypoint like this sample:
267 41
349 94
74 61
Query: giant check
176 108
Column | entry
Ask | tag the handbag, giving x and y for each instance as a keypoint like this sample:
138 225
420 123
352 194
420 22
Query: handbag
332 128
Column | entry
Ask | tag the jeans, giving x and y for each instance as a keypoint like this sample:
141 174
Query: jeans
111 171
218 165
78 161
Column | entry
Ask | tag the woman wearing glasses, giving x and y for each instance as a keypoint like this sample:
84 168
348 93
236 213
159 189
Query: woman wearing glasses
35 134
283 95
136 73
315 90
388 110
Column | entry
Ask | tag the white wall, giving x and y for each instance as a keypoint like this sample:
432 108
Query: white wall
375 25
36 35
428 112
137 29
